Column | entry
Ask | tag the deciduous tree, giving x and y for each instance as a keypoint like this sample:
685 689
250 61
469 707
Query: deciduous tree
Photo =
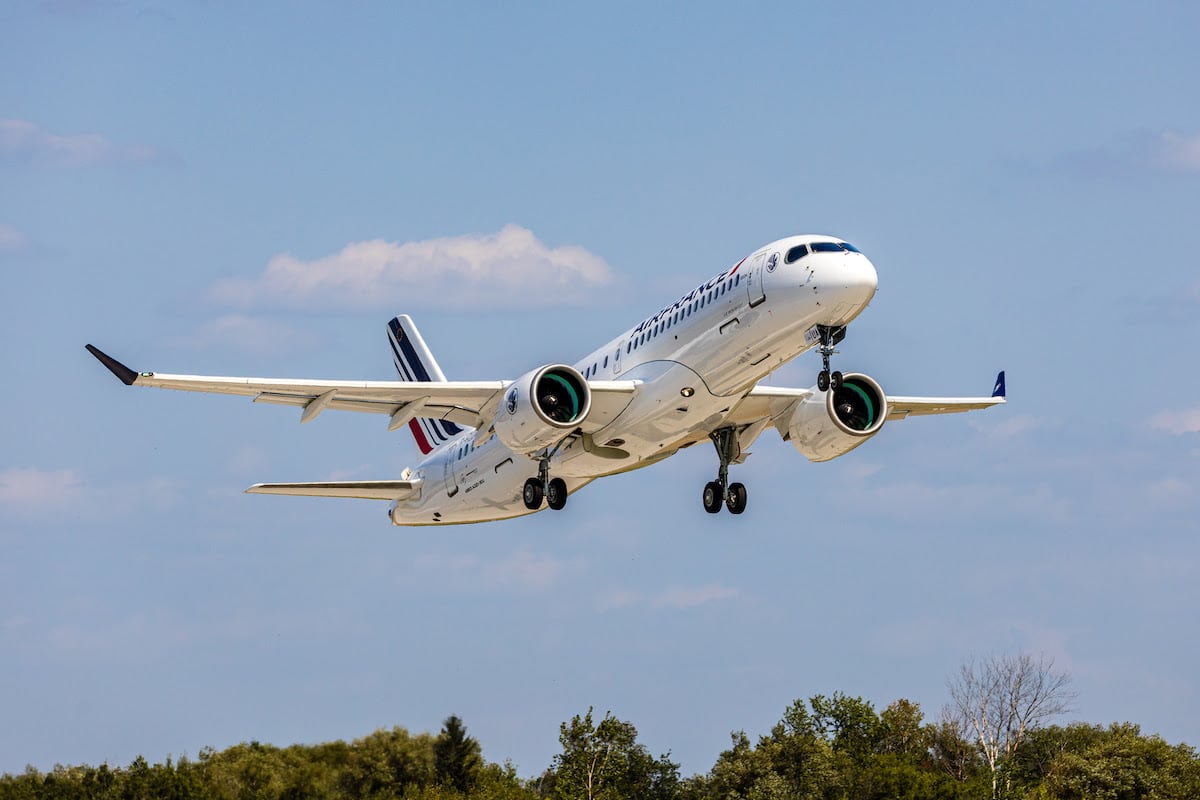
995 702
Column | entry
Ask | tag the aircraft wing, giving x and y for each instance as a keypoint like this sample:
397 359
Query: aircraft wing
363 490
469 403
901 407
767 404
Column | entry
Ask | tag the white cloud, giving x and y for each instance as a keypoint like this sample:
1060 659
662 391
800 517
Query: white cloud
1170 492
861 470
1178 152
25 141
617 598
521 571
684 597
525 571
1009 426
11 239
248 334
1177 422
510 269
919 501
33 489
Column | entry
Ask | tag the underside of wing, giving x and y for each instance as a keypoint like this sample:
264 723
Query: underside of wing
471 404
901 407
363 490
463 402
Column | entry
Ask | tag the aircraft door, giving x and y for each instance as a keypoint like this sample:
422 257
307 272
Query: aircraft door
754 286
450 479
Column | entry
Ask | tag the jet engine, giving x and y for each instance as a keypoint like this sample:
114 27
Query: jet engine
541 407
832 423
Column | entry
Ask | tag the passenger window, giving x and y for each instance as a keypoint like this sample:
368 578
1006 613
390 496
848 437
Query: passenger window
606 362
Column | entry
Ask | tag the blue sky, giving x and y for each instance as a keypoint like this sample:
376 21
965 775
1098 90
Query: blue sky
255 189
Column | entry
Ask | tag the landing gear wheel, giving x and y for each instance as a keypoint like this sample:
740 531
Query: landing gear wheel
532 494
556 494
835 381
712 497
735 498
823 380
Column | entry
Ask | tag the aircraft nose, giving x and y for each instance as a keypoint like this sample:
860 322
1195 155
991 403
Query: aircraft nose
856 279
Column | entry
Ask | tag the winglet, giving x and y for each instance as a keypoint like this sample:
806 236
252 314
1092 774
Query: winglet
123 372
998 391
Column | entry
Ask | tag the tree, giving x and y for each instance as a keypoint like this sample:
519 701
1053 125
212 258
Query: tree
456 756
995 702
605 762
1119 762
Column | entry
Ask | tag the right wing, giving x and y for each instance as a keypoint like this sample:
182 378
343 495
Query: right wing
363 490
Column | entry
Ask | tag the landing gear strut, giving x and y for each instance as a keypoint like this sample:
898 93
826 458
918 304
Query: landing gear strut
720 490
830 336
554 490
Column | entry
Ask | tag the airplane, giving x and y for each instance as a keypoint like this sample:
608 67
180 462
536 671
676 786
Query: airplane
688 373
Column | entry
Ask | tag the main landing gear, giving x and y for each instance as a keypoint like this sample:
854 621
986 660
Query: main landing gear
830 337
720 490
554 490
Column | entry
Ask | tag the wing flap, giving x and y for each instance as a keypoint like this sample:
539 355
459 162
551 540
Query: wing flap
362 490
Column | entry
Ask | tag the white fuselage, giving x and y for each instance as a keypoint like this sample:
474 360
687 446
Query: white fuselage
696 358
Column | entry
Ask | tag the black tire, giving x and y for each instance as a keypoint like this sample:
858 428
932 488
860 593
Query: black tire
822 381
835 381
556 494
735 498
532 494
712 497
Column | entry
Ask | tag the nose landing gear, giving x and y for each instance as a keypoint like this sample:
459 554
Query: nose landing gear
720 490
830 337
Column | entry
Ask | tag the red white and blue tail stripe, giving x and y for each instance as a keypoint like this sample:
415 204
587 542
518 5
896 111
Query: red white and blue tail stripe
415 362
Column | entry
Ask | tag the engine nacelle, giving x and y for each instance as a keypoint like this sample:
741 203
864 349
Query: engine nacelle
830 424
541 407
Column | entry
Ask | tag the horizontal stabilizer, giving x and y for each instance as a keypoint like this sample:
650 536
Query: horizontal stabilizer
363 490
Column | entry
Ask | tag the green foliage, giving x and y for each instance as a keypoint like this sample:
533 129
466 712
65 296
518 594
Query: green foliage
456 756
605 762
1119 763
826 748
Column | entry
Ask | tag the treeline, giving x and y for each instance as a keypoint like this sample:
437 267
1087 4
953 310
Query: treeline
825 747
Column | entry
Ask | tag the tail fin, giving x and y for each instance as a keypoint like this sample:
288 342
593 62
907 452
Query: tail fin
415 362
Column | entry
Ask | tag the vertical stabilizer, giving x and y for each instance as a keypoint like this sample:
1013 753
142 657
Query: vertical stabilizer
415 362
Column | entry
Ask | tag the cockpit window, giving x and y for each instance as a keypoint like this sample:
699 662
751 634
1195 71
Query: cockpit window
796 253
826 247
850 247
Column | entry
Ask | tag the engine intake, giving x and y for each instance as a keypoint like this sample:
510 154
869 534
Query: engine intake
541 407
832 423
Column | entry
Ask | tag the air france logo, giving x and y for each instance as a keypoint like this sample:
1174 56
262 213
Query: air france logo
510 402
772 262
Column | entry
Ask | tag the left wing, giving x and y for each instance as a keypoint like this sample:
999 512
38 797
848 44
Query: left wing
767 405
469 403
363 490
901 407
